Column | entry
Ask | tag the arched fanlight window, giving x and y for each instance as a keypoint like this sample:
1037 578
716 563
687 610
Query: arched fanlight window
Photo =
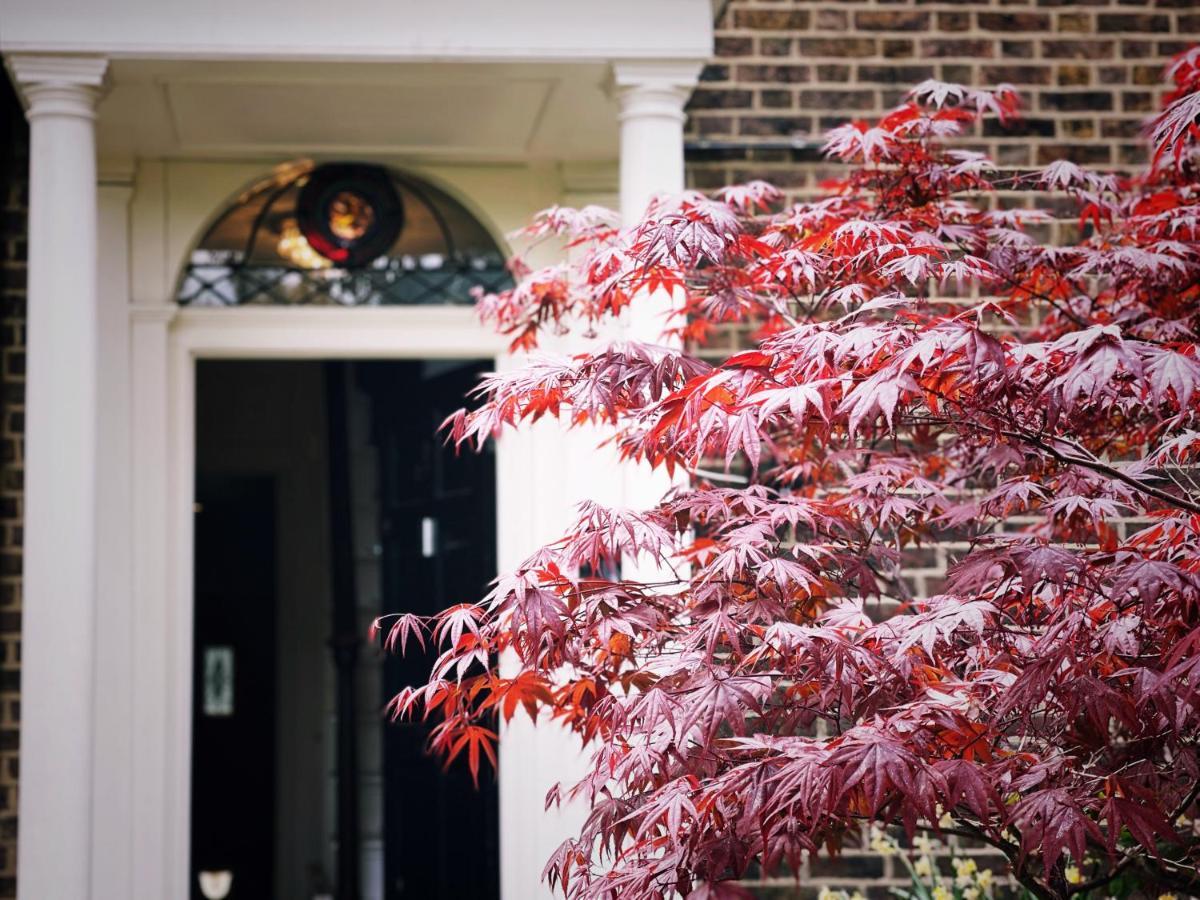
344 234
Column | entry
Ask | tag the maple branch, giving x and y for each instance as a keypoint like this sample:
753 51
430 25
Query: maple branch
1091 463
1105 469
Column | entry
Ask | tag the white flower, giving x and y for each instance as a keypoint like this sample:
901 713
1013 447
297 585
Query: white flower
923 868
882 844
1072 874
923 843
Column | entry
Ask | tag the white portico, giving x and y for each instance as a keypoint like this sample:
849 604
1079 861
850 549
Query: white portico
146 120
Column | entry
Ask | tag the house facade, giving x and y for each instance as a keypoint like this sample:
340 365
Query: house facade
205 409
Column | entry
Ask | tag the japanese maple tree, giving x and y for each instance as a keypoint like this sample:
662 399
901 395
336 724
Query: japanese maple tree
929 369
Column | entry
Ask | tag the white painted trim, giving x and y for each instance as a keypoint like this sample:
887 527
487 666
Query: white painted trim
330 332
112 757
167 342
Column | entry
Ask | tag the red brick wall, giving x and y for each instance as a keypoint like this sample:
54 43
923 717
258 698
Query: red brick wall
786 70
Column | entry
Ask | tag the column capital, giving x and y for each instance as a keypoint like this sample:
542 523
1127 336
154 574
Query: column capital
660 73
654 87
58 85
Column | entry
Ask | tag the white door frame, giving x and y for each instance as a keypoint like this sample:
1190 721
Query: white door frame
167 342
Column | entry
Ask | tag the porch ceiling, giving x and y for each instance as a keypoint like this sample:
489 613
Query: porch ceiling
444 111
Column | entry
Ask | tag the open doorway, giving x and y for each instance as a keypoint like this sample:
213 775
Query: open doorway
324 497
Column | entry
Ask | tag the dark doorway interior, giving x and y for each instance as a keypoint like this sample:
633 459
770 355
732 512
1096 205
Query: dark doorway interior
438 514
325 497
233 796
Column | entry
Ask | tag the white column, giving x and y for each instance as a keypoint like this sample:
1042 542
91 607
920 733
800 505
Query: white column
58 638
651 95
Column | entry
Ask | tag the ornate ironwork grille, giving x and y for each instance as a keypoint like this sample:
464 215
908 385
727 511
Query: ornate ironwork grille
258 250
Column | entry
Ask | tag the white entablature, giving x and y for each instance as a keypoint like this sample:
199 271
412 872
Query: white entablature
363 30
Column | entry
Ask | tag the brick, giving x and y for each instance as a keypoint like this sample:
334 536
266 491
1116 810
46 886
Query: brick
1150 75
896 48
837 47
711 155
957 74
1121 128
1073 101
1136 49
833 72
974 48
891 74
1074 76
1026 126
1016 74
1171 48
775 46
773 74
1123 23
714 73
1076 22
733 46
953 21
1137 101
1016 49
714 126
721 99
1012 21
772 19
776 99
1131 154
835 99
1077 129
1071 49
771 126
892 20
832 19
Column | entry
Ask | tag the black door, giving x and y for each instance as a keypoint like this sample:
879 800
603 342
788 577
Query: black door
233 723
439 538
